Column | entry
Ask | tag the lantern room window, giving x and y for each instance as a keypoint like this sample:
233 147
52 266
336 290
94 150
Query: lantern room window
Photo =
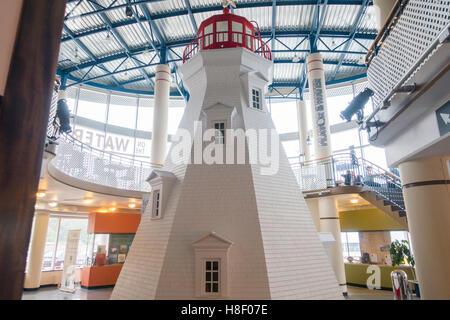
249 38
208 35
222 31
237 29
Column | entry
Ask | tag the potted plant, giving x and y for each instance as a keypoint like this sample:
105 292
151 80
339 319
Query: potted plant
400 254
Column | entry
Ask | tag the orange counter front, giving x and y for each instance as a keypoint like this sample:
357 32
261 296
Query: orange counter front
112 223
100 276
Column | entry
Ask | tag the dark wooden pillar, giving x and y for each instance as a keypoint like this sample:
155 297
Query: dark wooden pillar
23 117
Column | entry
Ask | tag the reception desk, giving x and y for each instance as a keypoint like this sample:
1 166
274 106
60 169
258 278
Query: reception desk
100 276
356 274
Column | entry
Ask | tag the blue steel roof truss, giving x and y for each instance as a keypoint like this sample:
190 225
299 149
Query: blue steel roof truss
164 50
105 19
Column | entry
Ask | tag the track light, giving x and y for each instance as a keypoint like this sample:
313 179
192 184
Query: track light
63 113
356 106
296 59
129 11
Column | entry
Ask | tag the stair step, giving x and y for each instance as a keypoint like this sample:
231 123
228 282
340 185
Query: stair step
386 202
402 213
395 208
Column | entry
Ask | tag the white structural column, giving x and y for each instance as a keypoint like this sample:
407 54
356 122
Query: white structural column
426 190
382 9
9 19
160 115
318 95
36 253
329 222
303 129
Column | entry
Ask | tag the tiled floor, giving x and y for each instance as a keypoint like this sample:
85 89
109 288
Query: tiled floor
358 293
52 293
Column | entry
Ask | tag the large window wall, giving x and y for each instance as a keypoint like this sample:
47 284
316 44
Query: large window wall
122 124
55 244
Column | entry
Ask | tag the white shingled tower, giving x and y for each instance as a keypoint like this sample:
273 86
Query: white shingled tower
226 231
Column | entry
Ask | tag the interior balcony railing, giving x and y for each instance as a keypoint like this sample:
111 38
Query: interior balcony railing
347 169
83 162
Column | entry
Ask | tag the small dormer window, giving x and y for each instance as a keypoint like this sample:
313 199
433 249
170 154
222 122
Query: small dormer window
256 99
211 266
212 276
219 134
161 183
156 203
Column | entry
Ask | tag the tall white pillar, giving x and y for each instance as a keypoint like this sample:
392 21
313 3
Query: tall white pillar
303 129
426 190
9 20
382 9
318 97
329 222
160 115
36 253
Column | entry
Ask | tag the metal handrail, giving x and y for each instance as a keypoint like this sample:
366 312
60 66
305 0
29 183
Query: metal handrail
347 169
385 29
217 40
349 155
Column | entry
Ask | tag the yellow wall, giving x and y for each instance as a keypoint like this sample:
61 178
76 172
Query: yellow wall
356 273
367 220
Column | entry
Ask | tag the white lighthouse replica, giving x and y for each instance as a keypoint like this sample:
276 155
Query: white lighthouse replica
219 230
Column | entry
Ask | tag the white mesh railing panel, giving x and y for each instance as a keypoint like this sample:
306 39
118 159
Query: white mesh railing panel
85 163
416 30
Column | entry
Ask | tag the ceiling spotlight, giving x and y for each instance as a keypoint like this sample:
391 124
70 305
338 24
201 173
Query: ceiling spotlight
354 200
103 211
108 36
112 209
76 57
356 106
129 11
132 205
88 201
40 194
53 204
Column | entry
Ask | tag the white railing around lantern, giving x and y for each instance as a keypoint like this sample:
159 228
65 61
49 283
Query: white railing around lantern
227 39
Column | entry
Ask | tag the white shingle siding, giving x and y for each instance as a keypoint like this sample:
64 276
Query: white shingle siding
276 252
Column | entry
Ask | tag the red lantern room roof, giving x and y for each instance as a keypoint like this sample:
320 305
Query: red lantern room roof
227 31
